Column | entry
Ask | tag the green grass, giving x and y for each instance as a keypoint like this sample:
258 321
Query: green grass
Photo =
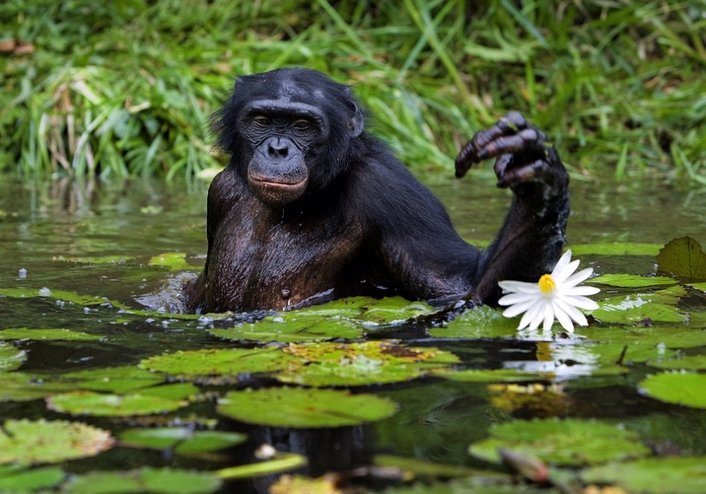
125 88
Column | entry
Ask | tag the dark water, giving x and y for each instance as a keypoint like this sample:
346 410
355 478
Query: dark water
41 223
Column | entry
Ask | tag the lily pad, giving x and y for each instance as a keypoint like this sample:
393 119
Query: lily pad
111 405
487 375
114 379
698 286
481 322
659 306
282 462
67 296
632 281
27 480
172 260
616 249
26 442
292 327
563 442
371 312
689 362
684 475
683 257
304 408
202 365
145 480
679 388
10 358
18 386
116 259
357 364
181 439
49 334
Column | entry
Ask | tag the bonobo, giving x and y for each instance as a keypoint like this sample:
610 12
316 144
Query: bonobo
312 208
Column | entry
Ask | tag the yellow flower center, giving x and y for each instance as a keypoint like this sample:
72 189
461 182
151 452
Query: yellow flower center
546 284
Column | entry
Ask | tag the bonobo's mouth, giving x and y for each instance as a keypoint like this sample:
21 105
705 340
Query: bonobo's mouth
277 192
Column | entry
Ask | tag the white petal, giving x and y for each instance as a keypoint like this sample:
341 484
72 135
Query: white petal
548 317
580 290
562 263
562 275
579 277
517 309
533 316
572 312
580 302
562 316
518 286
516 298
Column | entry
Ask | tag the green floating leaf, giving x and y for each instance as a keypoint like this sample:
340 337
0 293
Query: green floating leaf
114 379
683 475
29 442
690 362
11 358
658 337
283 462
481 322
358 364
145 480
371 312
304 408
616 249
110 405
24 480
181 439
679 388
564 442
292 327
17 386
206 364
659 306
683 257
174 261
50 334
625 280
698 286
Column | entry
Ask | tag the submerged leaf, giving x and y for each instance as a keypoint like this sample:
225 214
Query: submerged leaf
171 260
480 322
10 358
292 327
41 441
683 257
680 388
564 442
304 408
616 249
632 280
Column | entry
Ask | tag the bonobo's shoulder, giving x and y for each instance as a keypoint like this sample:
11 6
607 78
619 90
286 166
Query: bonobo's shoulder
226 186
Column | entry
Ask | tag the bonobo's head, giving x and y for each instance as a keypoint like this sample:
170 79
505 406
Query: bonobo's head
289 132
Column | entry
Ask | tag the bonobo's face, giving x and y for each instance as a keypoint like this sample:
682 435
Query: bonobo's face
282 135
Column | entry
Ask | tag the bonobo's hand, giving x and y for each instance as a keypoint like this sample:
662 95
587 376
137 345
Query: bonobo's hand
522 151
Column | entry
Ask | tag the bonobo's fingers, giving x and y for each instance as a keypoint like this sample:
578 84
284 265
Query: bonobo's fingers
513 176
475 150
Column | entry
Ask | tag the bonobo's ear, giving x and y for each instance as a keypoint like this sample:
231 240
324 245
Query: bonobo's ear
356 120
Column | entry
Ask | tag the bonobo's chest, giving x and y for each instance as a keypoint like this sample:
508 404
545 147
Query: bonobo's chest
264 259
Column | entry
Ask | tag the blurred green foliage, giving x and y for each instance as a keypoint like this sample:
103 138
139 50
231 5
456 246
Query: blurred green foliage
126 88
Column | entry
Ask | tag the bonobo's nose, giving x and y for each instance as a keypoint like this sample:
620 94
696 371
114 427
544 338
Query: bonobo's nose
277 148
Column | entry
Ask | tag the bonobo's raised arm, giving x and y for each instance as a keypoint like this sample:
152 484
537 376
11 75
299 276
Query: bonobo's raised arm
531 239
311 207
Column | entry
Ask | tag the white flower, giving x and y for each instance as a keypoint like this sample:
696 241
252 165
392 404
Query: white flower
556 295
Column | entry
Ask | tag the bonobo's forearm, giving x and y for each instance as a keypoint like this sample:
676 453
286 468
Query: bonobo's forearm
530 241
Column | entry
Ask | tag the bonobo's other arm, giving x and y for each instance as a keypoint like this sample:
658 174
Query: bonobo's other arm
532 236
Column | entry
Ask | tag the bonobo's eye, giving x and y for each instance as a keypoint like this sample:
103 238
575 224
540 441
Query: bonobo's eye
261 120
301 124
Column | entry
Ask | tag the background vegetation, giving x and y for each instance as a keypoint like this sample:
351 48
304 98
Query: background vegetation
125 88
